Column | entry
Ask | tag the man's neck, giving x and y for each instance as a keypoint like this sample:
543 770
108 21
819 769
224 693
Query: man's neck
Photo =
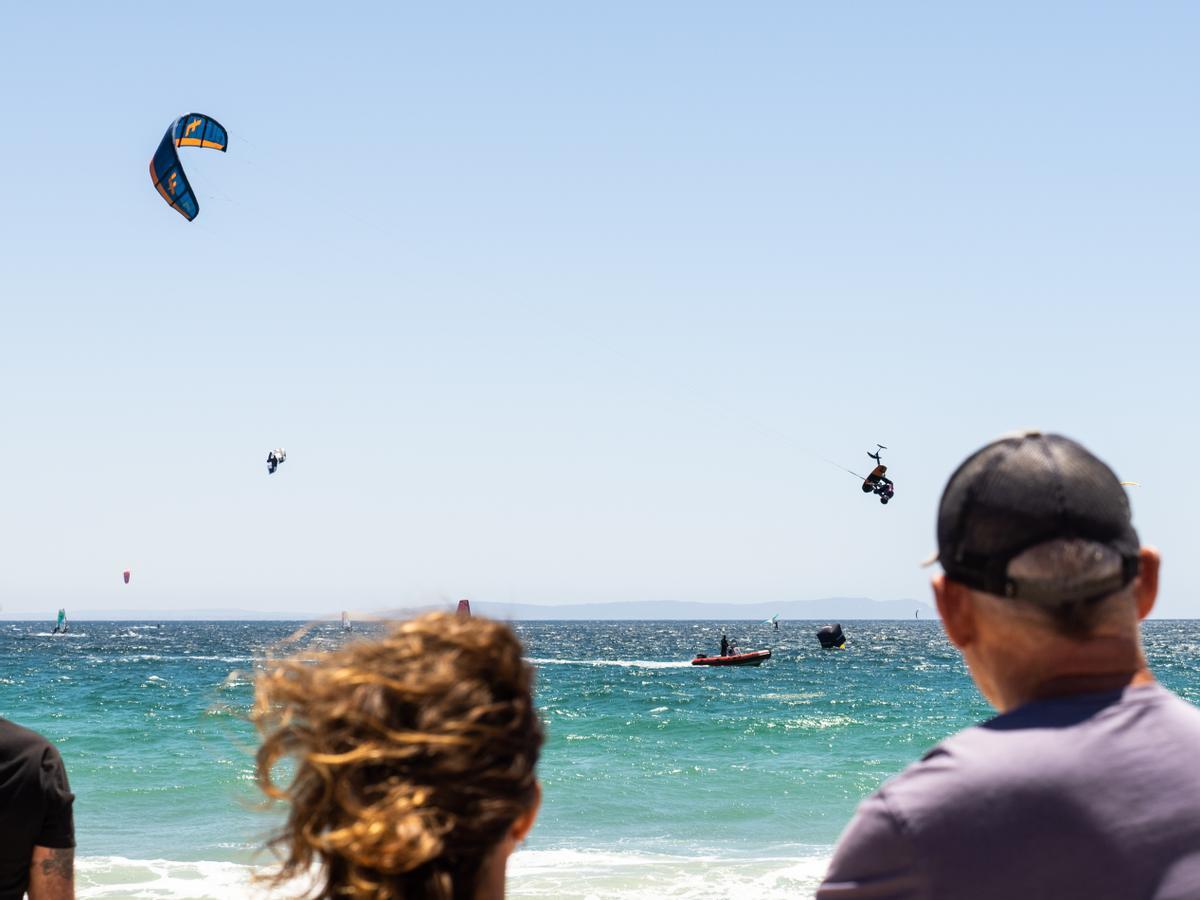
1097 683
1016 674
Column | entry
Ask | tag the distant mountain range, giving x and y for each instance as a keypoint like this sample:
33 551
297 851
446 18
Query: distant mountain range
832 608
829 608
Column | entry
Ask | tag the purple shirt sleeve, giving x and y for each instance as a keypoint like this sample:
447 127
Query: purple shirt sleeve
874 859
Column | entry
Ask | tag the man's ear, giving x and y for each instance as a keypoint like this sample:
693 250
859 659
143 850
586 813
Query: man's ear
954 606
1147 580
524 824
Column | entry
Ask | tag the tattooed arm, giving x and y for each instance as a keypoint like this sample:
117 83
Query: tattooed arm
52 875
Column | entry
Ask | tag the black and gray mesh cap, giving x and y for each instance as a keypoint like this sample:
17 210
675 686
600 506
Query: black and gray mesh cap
1021 491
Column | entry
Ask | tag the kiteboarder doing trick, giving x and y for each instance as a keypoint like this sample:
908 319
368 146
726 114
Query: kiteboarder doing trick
877 482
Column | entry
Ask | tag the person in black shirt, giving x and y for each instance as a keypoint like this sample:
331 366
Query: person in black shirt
37 828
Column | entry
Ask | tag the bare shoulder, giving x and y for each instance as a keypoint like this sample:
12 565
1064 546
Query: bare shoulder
52 875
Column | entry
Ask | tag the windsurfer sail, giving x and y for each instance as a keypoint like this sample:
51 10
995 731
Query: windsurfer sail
61 626
464 608
346 626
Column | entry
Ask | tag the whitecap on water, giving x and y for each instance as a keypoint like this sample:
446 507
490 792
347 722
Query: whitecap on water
116 876
587 874
623 663
559 874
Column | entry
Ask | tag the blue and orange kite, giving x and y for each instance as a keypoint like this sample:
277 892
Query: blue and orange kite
192 130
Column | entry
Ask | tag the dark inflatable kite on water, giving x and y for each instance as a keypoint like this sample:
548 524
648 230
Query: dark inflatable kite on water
831 637
192 130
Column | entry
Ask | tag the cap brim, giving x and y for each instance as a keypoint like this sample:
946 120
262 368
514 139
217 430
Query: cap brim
929 560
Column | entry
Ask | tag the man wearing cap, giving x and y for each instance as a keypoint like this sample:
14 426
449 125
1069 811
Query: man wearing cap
1088 782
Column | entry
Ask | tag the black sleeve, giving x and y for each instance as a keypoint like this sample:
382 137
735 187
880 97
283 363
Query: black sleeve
58 825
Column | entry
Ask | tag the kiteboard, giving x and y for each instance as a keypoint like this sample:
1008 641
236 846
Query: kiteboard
873 479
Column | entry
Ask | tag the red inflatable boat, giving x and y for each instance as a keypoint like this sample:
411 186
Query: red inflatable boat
749 658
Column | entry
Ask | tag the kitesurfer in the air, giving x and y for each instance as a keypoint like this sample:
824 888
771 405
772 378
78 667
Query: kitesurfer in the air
885 489
883 486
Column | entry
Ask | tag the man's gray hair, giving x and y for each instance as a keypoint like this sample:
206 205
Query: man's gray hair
1066 569
1068 581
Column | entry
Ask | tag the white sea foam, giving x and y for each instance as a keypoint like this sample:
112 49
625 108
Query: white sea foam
623 663
116 876
559 874
607 875
160 657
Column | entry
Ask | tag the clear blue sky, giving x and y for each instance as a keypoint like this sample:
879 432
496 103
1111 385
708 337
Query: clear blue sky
556 302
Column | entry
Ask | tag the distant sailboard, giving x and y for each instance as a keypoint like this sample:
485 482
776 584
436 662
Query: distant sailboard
61 626
464 608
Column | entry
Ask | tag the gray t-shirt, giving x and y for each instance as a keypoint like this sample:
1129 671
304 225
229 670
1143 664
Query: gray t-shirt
1093 796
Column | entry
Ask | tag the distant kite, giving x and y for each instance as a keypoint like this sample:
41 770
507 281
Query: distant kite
192 130
126 576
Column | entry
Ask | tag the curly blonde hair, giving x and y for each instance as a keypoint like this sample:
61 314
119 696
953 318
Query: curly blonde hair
414 755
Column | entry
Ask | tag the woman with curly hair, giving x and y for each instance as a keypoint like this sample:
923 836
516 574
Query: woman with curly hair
413 758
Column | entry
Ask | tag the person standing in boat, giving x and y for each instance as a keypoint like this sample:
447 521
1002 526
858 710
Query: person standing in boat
724 645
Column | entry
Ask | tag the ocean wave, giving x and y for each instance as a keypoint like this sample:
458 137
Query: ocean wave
625 875
165 657
623 663
561 874
116 876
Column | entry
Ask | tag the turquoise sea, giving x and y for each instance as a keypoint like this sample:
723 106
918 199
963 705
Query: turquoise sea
661 779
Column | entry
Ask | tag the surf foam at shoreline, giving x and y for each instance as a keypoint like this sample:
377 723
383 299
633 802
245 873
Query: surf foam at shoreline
560 874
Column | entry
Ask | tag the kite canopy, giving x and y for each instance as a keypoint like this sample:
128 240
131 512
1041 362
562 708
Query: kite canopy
192 130
831 637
